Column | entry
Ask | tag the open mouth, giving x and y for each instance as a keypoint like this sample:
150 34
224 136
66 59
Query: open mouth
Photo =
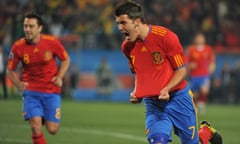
126 34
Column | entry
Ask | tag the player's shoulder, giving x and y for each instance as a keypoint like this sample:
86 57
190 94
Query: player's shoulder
208 47
20 42
159 30
48 37
127 46
191 47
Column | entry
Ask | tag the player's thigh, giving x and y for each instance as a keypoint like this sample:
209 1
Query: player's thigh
158 128
205 85
158 125
32 106
52 107
183 115
195 84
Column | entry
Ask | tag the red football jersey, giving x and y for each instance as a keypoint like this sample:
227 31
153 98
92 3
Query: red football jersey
38 62
154 60
202 57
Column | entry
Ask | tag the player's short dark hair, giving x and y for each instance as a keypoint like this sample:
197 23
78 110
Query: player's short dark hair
130 8
36 16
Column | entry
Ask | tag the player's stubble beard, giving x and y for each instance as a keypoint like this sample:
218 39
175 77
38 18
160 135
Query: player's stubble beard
133 34
31 38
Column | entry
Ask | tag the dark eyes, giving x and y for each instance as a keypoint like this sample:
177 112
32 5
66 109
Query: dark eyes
122 22
30 26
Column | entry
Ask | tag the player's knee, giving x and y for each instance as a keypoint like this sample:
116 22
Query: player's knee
52 131
158 138
52 128
216 139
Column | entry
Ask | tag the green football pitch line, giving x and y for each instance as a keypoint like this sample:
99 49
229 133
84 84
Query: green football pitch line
108 123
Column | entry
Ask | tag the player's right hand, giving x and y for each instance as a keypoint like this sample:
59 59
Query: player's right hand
134 99
22 85
164 95
57 81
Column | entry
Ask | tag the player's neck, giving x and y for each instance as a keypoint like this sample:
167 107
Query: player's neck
144 31
35 40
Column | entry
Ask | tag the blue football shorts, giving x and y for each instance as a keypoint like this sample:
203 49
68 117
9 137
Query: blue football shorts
198 82
178 113
45 105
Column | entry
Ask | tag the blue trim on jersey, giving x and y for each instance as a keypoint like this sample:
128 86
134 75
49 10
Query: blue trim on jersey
42 104
178 112
184 65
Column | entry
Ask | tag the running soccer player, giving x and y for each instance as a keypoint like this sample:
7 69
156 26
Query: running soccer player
41 79
157 59
201 64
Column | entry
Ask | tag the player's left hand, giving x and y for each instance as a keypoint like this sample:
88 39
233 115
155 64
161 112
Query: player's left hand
134 99
57 81
164 95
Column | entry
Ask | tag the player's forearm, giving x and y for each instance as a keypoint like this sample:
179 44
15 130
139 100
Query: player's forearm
63 68
135 84
13 77
133 98
177 77
212 68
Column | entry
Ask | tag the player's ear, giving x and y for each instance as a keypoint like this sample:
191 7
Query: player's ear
40 28
138 21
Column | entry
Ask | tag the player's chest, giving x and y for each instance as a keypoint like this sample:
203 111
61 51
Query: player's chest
200 55
36 54
147 54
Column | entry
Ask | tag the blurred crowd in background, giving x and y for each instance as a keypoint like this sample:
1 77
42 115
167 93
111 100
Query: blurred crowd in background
93 20
89 24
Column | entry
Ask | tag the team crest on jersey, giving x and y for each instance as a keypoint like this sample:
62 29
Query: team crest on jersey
48 55
157 57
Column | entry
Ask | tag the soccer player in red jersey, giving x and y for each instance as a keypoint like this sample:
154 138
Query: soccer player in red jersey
201 64
157 59
41 79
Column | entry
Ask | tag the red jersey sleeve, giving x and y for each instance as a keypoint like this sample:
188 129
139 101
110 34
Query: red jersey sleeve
14 55
126 49
58 48
211 55
174 50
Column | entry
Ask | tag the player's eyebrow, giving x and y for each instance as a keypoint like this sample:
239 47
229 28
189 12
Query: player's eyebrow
29 25
121 22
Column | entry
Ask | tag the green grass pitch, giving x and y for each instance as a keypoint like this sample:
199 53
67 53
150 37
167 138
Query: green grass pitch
106 123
